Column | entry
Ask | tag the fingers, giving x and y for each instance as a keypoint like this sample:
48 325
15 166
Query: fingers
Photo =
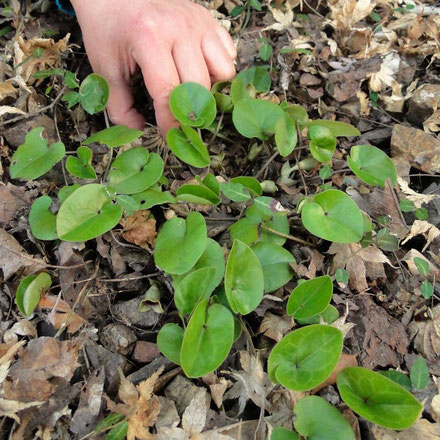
226 40
120 105
160 77
218 59
190 63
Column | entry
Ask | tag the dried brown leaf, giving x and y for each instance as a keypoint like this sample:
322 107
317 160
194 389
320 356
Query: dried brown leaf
274 326
140 229
421 430
422 227
194 417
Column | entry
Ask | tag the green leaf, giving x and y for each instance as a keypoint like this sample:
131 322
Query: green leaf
422 266
224 102
419 374
81 166
240 91
188 147
386 241
29 292
341 276
298 114
274 261
245 230
114 136
249 183
118 432
180 243
212 257
244 280
333 216
305 357
269 206
256 118
427 289
207 340
337 128
235 192
169 342
197 194
406 205
279 224
238 10
377 398
127 203
94 93
70 80
210 182
325 172
316 419
42 220
322 143
422 214
193 105
310 298
152 197
280 433
257 76
72 98
86 214
194 288
329 315
109 421
372 165
34 158
397 376
265 51
135 170
285 135
66 191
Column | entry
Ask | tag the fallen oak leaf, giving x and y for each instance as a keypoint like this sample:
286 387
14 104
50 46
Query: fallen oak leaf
274 326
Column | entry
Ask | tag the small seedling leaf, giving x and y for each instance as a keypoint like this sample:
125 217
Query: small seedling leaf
397 376
235 192
29 292
419 374
94 93
337 128
42 220
285 135
169 342
152 197
422 266
257 76
329 315
250 183
81 166
427 289
197 194
114 136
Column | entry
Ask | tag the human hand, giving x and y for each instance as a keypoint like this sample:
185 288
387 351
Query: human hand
172 41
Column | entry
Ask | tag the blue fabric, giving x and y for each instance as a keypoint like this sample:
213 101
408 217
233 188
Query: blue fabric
65 6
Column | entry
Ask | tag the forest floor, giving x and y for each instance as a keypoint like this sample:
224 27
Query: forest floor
372 63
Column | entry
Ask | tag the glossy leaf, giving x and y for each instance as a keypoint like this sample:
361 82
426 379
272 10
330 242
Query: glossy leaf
115 136
94 93
188 147
42 220
316 419
152 197
329 315
280 224
245 230
249 183
310 298
35 158
372 165
194 288
207 340
212 257
29 292
197 194
377 398
169 342
397 376
305 357
337 128
274 261
81 166
86 214
257 76
180 243
333 216
244 280
256 118
193 105
135 170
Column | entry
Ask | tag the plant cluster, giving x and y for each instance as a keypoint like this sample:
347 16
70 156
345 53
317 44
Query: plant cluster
212 295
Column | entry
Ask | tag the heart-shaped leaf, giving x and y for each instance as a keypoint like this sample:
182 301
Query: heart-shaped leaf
42 220
169 342
337 128
244 280
29 292
285 135
372 165
250 183
257 76
35 158
305 358
275 261
193 105
86 214
377 398
212 257
81 166
207 340
135 170
195 287
94 93
322 143
298 114
66 191
180 243
333 216
316 419
240 91
152 197
197 194
310 298
224 102
114 136
245 230
188 147
256 118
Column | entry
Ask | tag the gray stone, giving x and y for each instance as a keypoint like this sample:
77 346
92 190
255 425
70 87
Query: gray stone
118 338
128 311
422 103
145 352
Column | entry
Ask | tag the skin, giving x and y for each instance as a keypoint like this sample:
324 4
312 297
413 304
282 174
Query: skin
171 41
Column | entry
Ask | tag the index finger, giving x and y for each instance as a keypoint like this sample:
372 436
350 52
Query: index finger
160 77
